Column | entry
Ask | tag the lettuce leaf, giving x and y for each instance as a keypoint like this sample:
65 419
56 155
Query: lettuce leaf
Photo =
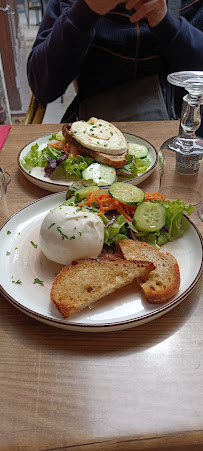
75 166
135 166
174 226
174 219
71 166
37 157
115 231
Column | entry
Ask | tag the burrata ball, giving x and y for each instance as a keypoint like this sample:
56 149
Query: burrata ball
69 233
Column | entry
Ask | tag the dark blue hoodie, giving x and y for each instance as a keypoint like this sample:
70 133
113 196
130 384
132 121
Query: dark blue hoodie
106 51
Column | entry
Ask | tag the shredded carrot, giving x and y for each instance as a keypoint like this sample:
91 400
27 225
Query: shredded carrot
124 213
58 145
75 153
67 148
106 203
151 196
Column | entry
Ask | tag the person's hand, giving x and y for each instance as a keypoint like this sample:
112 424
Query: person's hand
153 10
102 6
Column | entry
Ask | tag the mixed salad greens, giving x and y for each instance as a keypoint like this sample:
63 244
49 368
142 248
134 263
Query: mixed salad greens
59 156
126 210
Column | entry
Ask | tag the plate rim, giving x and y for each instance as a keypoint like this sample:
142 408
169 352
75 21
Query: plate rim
30 177
107 326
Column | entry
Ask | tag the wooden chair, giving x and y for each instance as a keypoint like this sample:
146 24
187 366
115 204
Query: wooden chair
36 110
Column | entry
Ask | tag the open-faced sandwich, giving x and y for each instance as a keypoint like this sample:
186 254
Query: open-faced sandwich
94 152
103 238
98 139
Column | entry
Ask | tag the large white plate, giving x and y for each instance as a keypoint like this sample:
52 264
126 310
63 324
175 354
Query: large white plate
123 309
56 185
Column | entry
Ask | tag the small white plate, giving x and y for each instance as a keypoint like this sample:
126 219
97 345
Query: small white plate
21 261
60 184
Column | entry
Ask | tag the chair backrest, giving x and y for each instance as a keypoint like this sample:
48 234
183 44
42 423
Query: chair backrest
35 112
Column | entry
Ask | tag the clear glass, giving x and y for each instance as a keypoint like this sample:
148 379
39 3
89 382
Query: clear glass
200 212
181 157
5 179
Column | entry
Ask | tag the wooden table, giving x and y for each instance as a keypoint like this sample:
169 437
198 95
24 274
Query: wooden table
136 389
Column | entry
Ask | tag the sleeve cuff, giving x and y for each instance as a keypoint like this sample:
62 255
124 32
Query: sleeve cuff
167 29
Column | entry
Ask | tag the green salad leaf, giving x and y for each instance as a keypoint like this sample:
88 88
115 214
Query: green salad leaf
135 166
117 226
71 166
37 157
52 137
174 226
174 223
115 229
75 166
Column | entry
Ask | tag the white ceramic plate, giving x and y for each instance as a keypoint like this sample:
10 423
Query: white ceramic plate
21 261
56 185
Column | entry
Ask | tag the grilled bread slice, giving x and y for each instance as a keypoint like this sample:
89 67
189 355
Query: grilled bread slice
83 282
113 160
163 282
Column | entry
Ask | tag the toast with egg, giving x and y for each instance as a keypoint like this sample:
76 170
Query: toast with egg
99 140
83 282
161 284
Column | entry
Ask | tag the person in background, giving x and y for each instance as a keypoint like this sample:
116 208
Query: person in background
120 53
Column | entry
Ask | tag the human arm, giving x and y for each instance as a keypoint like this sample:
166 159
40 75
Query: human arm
181 43
67 33
64 37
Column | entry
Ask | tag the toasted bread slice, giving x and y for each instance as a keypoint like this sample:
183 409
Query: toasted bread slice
83 282
163 282
116 161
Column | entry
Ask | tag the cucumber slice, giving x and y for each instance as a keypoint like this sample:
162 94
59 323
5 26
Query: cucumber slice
138 150
149 217
59 136
100 174
82 193
126 193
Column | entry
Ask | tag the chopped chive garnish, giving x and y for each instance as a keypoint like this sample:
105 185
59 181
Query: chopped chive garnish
62 234
51 225
33 244
38 281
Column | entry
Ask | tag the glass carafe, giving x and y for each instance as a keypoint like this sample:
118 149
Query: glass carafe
181 157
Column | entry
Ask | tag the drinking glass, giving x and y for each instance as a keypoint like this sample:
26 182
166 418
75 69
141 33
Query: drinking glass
180 158
5 179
